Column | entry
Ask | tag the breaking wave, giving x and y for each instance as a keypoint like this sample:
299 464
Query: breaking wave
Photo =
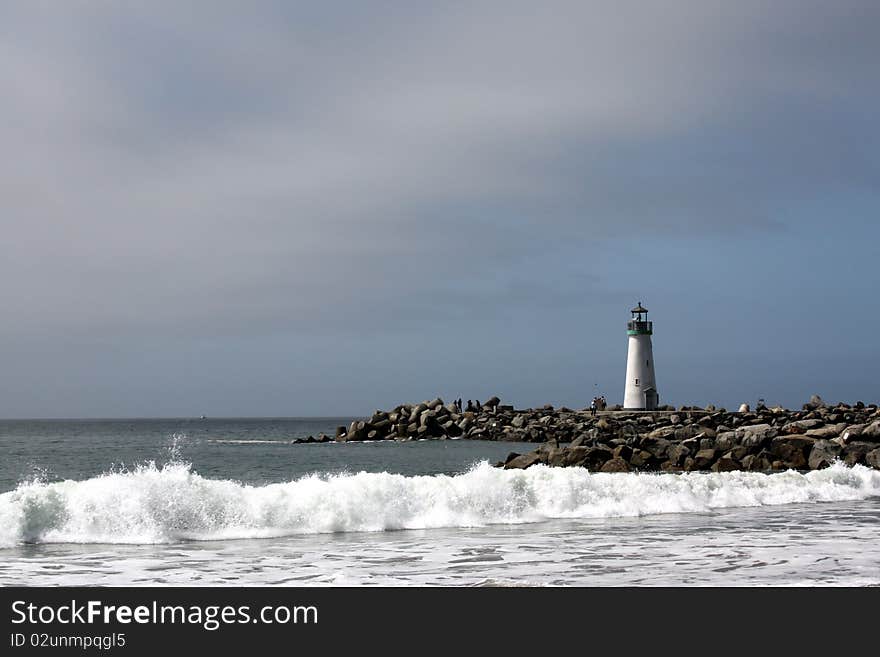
173 503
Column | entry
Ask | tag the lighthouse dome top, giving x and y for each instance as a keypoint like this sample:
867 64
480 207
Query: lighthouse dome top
639 309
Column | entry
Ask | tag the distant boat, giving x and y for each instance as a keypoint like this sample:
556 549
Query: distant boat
202 417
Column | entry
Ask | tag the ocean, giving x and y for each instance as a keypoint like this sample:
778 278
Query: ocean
233 502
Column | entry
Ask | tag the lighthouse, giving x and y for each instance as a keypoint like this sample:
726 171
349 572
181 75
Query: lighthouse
641 386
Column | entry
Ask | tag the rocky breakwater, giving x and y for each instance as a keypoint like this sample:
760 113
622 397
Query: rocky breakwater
426 420
690 439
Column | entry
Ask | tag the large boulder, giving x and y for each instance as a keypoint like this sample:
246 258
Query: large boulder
756 463
792 451
852 432
755 435
814 404
823 454
726 441
726 464
856 451
642 459
574 456
686 432
523 461
662 432
615 464
872 458
828 431
676 454
596 458
704 458
656 446
871 432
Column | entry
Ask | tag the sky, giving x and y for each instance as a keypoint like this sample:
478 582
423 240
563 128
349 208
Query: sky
325 208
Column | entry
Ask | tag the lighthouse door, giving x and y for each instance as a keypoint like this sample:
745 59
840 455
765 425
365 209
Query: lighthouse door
651 399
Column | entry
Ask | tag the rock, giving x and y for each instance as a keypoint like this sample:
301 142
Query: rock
704 458
871 432
435 403
792 450
851 432
692 444
801 426
523 462
676 454
707 443
823 454
828 431
815 403
756 435
744 408
492 402
596 457
662 432
725 441
872 458
518 421
452 429
574 456
686 432
615 464
656 446
756 463
622 452
856 451
726 464
710 408
641 459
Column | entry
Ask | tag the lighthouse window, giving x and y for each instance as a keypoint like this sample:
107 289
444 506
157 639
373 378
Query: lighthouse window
647 363
637 382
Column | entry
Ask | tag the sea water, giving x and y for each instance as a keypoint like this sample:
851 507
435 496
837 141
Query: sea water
226 502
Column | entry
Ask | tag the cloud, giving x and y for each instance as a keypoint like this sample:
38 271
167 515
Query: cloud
229 169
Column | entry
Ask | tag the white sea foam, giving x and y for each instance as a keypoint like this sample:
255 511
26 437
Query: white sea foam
161 505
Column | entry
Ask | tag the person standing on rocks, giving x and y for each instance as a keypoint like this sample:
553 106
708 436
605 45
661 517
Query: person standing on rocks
593 407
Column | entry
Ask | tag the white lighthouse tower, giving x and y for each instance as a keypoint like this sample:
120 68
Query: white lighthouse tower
641 386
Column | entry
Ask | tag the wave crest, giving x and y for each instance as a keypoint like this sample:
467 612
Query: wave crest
172 503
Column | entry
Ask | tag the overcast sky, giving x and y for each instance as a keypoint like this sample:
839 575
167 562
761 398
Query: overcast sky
279 208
